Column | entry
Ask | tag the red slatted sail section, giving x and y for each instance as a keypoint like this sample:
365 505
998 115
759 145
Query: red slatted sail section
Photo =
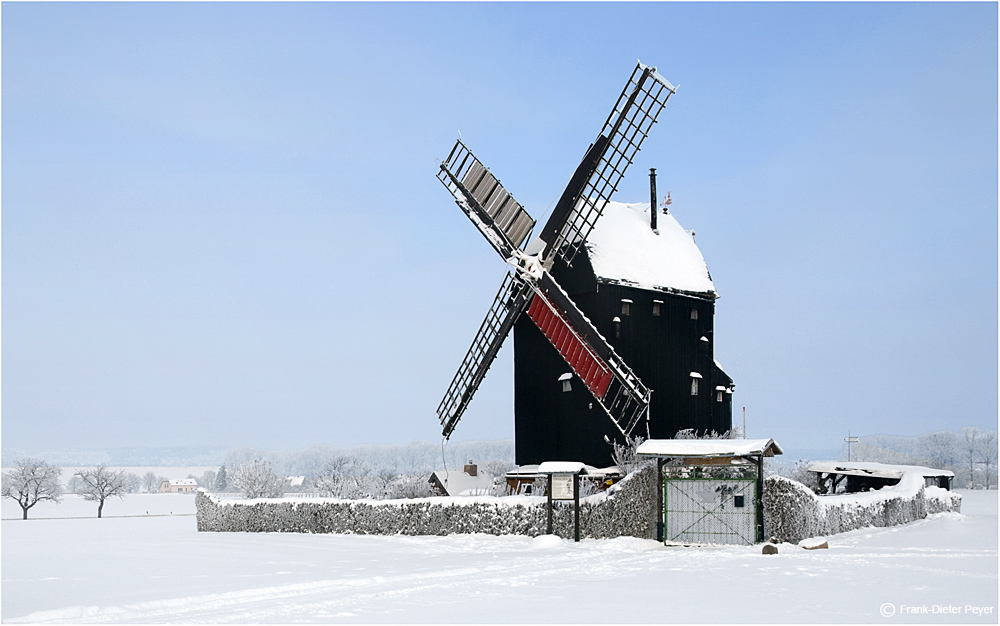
594 374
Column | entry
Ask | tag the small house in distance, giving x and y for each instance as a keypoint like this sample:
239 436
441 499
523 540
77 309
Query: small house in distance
178 485
864 476
465 482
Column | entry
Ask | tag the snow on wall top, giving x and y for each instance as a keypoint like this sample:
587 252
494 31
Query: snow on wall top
708 447
624 249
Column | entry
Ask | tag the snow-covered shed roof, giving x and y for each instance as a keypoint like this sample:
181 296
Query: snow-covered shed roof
878 470
562 467
675 448
623 249
458 483
533 471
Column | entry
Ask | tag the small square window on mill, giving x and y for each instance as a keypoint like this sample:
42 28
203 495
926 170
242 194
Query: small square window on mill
626 306
694 314
656 307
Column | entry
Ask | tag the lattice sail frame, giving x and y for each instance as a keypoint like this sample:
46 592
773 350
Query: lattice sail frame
509 303
633 115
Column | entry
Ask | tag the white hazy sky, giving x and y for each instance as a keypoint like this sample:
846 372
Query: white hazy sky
220 222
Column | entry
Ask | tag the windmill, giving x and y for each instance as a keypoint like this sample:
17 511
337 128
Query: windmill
529 286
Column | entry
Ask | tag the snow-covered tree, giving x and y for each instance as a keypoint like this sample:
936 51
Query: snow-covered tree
941 448
30 482
221 480
988 453
150 482
133 484
255 479
101 483
970 449
208 479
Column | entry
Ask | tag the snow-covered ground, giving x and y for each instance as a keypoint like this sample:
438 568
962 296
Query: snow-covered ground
160 569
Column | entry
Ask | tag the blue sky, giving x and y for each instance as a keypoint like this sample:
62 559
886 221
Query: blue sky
221 223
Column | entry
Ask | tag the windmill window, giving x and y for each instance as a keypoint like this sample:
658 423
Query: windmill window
694 314
720 393
695 377
566 381
656 307
618 327
626 307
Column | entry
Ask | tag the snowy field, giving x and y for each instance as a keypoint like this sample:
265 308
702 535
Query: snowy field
160 569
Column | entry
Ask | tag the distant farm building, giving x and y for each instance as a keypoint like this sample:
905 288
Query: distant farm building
181 485
468 482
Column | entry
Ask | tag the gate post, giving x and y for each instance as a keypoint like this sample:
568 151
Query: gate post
759 499
659 499
549 491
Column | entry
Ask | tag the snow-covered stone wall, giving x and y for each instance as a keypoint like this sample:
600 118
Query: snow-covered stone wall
627 508
792 512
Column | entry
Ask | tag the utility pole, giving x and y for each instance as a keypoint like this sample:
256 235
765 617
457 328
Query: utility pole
849 441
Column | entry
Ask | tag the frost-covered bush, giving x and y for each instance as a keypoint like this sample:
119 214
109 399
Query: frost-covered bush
792 512
625 457
627 508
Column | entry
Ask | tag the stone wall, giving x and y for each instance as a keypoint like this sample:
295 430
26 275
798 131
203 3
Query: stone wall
628 508
792 512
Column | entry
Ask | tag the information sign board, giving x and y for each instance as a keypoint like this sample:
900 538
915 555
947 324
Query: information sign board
562 486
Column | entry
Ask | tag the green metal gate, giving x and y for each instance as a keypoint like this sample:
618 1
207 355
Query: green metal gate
710 510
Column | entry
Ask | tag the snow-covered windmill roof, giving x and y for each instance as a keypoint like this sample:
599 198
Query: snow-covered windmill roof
624 249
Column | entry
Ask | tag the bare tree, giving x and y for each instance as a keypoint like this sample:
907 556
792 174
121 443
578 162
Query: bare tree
30 482
100 483
256 480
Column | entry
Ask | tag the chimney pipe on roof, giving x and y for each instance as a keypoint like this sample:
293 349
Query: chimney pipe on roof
652 198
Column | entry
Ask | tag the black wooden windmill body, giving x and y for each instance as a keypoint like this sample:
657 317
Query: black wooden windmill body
530 287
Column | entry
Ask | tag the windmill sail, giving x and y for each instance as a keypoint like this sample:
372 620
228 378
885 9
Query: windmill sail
612 383
501 219
507 306
633 115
